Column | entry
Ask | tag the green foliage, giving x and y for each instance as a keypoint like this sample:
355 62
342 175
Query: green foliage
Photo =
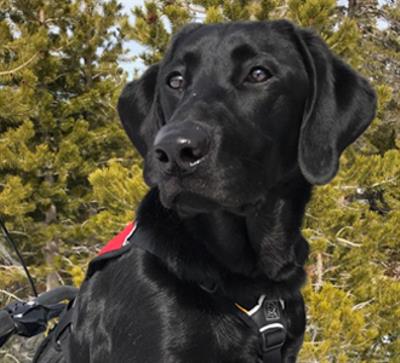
69 179
117 189
59 83
350 225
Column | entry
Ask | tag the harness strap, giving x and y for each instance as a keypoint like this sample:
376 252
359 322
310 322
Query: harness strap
267 315
120 240
55 346
62 329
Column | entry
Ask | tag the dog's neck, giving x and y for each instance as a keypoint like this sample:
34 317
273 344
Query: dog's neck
263 250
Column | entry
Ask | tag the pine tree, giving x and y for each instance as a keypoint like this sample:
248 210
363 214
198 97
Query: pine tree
59 83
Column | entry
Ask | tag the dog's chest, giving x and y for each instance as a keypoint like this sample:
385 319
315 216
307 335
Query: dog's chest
135 317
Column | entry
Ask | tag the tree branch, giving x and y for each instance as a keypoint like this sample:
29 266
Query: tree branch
23 65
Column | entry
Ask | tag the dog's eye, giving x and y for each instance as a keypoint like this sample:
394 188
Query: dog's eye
175 81
257 75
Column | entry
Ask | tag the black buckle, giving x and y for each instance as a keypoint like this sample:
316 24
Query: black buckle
273 336
268 317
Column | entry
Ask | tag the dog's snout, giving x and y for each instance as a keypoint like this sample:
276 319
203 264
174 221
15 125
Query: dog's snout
181 147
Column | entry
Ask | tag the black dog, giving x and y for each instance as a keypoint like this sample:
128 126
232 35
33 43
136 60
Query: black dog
235 125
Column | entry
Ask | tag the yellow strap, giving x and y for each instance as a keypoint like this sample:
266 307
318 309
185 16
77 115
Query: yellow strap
241 308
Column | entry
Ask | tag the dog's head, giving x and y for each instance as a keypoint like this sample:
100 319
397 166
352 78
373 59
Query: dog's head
234 109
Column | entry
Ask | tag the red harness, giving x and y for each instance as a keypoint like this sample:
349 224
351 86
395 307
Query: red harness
120 240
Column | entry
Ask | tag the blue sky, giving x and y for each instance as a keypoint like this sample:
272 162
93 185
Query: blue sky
134 47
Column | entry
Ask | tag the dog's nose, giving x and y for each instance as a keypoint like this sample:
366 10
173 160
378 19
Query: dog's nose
181 147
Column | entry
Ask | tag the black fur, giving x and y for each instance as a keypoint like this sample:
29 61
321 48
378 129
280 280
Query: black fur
235 219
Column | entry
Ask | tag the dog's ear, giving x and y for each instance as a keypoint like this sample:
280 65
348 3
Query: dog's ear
340 106
136 104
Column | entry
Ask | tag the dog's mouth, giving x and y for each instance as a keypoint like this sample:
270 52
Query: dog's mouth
188 204
200 194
